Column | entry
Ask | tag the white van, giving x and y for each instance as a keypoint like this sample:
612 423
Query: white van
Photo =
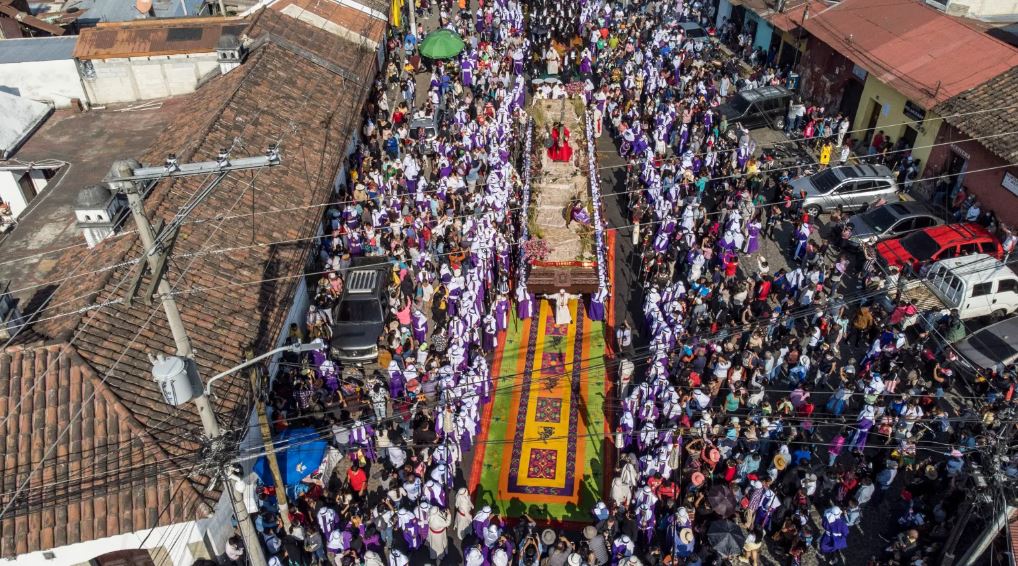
977 285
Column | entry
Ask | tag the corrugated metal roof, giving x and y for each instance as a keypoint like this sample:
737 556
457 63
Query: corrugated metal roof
35 49
124 10
918 51
145 38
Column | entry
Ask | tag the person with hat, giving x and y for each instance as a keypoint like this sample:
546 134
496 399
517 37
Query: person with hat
464 506
597 546
560 548
438 538
835 537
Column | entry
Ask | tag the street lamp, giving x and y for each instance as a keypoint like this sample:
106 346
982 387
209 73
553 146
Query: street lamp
179 382
316 344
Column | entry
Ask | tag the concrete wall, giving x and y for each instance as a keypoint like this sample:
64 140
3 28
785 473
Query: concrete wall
991 10
56 82
982 175
892 119
172 545
12 193
144 78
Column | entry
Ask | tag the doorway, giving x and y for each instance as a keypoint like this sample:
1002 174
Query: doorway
871 125
957 165
850 97
124 558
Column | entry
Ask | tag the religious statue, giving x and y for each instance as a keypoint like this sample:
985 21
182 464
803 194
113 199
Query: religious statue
562 314
560 149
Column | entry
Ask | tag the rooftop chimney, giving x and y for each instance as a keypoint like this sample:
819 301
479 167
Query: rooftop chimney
230 53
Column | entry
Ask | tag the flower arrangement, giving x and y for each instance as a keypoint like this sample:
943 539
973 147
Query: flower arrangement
537 249
526 257
595 199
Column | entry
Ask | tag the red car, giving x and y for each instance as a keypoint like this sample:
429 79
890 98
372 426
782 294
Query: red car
937 243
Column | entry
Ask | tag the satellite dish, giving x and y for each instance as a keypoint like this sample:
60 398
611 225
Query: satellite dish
143 6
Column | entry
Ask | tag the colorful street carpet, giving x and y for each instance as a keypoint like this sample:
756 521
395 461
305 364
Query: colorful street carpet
544 437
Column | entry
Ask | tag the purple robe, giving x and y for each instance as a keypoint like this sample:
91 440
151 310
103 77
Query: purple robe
502 314
419 325
525 308
412 534
753 241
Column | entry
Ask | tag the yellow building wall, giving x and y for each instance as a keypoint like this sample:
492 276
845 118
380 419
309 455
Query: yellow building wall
890 106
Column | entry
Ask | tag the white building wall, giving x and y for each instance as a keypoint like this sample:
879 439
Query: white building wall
145 78
986 10
10 192
173 545
56 82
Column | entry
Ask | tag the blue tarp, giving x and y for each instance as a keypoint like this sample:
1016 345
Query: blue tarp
299 453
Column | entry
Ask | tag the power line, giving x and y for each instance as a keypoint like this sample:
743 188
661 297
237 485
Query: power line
115 266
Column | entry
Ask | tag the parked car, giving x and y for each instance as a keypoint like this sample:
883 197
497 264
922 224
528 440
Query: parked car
694 32
890 221
758 107
993 347
851 187
975 286
424 129
359 317
937 243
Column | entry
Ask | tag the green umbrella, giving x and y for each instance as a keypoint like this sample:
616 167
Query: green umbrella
442 44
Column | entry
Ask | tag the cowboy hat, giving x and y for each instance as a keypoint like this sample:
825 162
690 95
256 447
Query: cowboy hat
697 478
780 462
713 456
686 535
574 559
589 532
548 537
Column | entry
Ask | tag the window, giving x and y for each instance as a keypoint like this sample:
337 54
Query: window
920 245
981 289
987 248
1008 286
825 181
903 226
969 248
853 187
922 222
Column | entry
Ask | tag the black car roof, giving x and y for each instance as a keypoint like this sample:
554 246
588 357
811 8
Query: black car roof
764 92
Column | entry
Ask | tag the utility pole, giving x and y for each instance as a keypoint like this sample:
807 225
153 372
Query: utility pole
412 8
128 177
270 449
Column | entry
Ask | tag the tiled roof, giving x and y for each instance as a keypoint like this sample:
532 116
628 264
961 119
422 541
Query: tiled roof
289 91
922 53
987 110
316 39
337 16
107 477
147 38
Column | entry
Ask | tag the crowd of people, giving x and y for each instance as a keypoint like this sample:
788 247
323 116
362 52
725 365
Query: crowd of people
773 409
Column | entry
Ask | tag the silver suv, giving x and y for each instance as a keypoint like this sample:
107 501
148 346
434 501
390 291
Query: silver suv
850 187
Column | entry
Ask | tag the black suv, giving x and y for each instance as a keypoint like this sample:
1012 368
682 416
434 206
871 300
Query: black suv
359 317
761 107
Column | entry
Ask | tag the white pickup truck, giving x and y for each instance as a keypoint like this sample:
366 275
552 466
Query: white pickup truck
976 285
